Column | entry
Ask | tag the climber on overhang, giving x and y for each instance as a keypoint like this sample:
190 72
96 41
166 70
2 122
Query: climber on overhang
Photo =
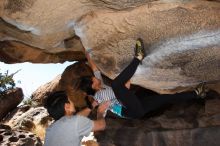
124 102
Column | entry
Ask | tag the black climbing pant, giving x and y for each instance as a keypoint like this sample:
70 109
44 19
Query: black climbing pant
134 107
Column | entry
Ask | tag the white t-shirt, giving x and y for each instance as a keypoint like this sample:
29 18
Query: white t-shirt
68 131
107 94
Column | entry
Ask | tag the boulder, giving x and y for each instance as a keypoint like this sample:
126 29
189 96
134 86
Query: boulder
30 119
42 91
182 42
182 47
193 123
26 118
186 137
9 54
17 137
10 101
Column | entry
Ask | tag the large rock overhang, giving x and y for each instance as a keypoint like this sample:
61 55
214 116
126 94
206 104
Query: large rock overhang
182 37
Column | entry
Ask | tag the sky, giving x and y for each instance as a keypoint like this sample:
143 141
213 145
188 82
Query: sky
31 76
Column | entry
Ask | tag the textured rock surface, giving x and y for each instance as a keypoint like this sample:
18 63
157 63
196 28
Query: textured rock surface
182 46
17 137
192 137
10 101
40 94
30 119
195 123
182 37
45 33
26 118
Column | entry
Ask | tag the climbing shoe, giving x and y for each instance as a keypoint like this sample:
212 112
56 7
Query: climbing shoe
139 49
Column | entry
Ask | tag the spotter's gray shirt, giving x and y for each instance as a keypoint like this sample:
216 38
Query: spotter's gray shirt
68 131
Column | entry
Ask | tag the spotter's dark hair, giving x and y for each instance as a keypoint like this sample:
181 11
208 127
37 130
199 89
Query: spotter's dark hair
55 102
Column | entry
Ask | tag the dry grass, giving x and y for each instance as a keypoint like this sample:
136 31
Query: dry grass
40 131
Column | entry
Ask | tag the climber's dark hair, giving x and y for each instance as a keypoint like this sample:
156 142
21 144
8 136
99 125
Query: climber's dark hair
86 85
55 102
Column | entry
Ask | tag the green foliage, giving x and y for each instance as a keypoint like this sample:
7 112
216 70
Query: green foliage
6 83
29 102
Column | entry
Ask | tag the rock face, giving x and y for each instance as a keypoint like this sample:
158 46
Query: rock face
10 101
182 40
18 138
26 118
181 44
182 37
40 94
196 123
29 119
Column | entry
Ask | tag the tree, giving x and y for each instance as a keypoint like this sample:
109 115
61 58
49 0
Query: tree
6 83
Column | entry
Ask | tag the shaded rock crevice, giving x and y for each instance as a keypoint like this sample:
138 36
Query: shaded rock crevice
12 50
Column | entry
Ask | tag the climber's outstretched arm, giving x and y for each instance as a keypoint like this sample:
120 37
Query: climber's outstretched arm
90 61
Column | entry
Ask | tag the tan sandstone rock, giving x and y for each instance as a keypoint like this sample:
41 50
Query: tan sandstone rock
182 42
181 37
10 101
17 137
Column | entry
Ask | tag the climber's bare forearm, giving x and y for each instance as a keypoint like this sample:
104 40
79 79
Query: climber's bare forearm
91 62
